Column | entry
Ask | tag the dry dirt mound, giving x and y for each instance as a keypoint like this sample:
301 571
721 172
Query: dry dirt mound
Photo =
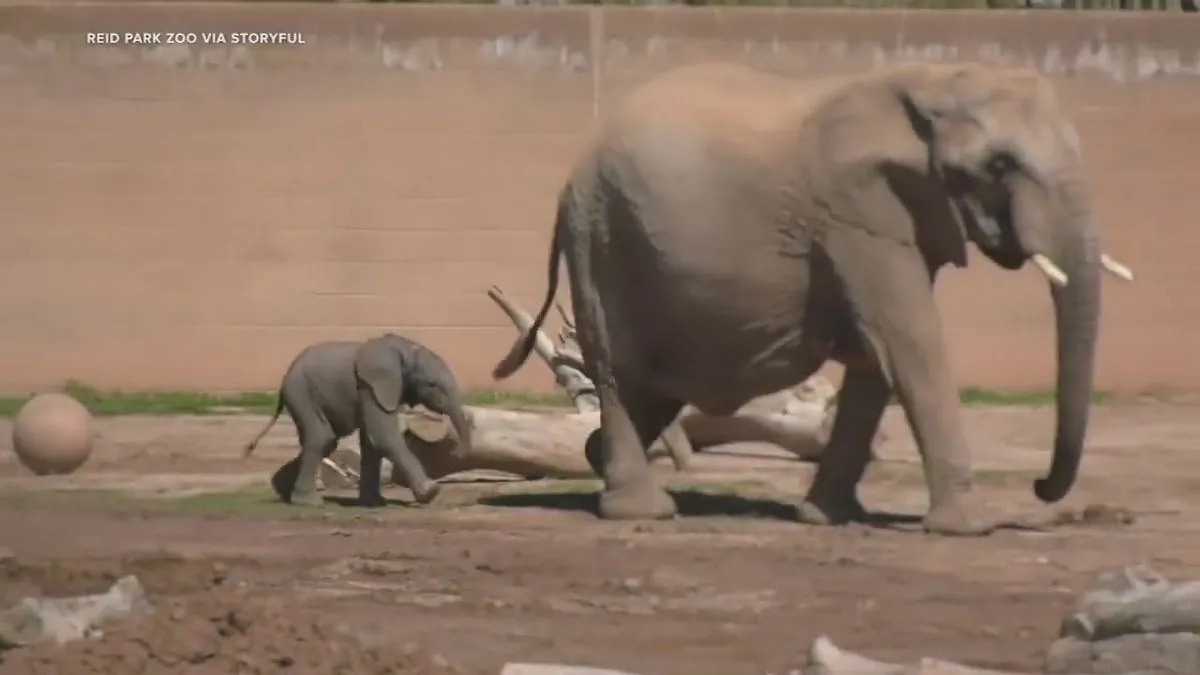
226 632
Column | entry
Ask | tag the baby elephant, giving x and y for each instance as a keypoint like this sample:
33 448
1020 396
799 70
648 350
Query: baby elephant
333 389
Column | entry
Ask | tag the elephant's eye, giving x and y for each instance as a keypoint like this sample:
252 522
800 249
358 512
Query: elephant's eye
1000 165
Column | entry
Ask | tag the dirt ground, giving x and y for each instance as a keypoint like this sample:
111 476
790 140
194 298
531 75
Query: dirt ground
498 572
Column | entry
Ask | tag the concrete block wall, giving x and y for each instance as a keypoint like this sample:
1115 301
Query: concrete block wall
189 216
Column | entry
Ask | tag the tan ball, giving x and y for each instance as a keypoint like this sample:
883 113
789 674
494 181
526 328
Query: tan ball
52 434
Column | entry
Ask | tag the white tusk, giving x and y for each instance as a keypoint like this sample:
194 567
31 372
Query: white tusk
1115 268
1052 272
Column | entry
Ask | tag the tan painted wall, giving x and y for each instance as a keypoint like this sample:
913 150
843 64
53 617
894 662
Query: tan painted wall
178 217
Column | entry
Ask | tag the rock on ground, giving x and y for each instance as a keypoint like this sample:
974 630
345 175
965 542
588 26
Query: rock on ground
1149 654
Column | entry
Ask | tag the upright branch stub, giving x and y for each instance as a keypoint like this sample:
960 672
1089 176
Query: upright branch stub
566 364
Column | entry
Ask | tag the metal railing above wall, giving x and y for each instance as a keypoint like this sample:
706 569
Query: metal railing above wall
1105 5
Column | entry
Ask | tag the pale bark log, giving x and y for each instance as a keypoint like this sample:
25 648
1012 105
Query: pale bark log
826 658
802 431
529 445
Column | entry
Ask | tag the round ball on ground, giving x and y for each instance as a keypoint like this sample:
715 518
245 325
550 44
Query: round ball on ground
52 434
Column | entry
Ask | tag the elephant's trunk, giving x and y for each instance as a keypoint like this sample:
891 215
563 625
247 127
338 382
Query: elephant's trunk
1075 249
442 396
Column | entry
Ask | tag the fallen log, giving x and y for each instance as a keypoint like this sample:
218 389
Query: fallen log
530 445
548 444
826 658
800 427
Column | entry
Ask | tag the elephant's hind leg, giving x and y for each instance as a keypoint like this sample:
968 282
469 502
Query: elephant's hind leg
832 499
632 418
317 441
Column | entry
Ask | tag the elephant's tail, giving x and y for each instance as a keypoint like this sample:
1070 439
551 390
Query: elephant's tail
270 423
524 344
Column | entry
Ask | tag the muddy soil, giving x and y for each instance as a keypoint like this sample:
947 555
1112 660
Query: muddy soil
522 571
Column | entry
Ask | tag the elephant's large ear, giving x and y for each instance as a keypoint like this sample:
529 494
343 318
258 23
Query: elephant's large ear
940 106
377 365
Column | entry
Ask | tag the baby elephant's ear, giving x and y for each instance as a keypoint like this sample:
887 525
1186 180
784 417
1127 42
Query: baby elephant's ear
377 365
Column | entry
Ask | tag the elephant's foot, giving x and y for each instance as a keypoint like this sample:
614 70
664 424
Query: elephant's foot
427 492
306 498
959 516
371 500
639 501
830 508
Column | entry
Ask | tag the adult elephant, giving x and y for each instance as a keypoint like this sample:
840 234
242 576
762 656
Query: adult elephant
729 231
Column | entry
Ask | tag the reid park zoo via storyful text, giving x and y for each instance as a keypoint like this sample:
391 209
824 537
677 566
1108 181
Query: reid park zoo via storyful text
203 38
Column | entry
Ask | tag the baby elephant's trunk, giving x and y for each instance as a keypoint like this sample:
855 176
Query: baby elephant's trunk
444 399
462 427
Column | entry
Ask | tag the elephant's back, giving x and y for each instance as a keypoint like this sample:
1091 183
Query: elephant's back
712 283
727 101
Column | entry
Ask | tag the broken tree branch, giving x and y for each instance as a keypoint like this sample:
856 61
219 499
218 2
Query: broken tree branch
555 669
566 375
826 658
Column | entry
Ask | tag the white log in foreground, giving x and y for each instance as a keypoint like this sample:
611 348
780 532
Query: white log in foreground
826 658
63 620
555 669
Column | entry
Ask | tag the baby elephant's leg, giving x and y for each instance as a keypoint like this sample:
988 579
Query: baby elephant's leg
317 441
382 432
370 472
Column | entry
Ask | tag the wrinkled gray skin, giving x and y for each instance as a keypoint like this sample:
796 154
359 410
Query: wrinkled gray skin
730 231
333 389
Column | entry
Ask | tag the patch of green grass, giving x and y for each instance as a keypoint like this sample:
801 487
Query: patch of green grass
115 402
106 403
252 501
498 398
1031 397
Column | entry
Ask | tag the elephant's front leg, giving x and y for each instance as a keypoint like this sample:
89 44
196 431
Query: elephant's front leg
833 497
381 433
888 285
370 472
